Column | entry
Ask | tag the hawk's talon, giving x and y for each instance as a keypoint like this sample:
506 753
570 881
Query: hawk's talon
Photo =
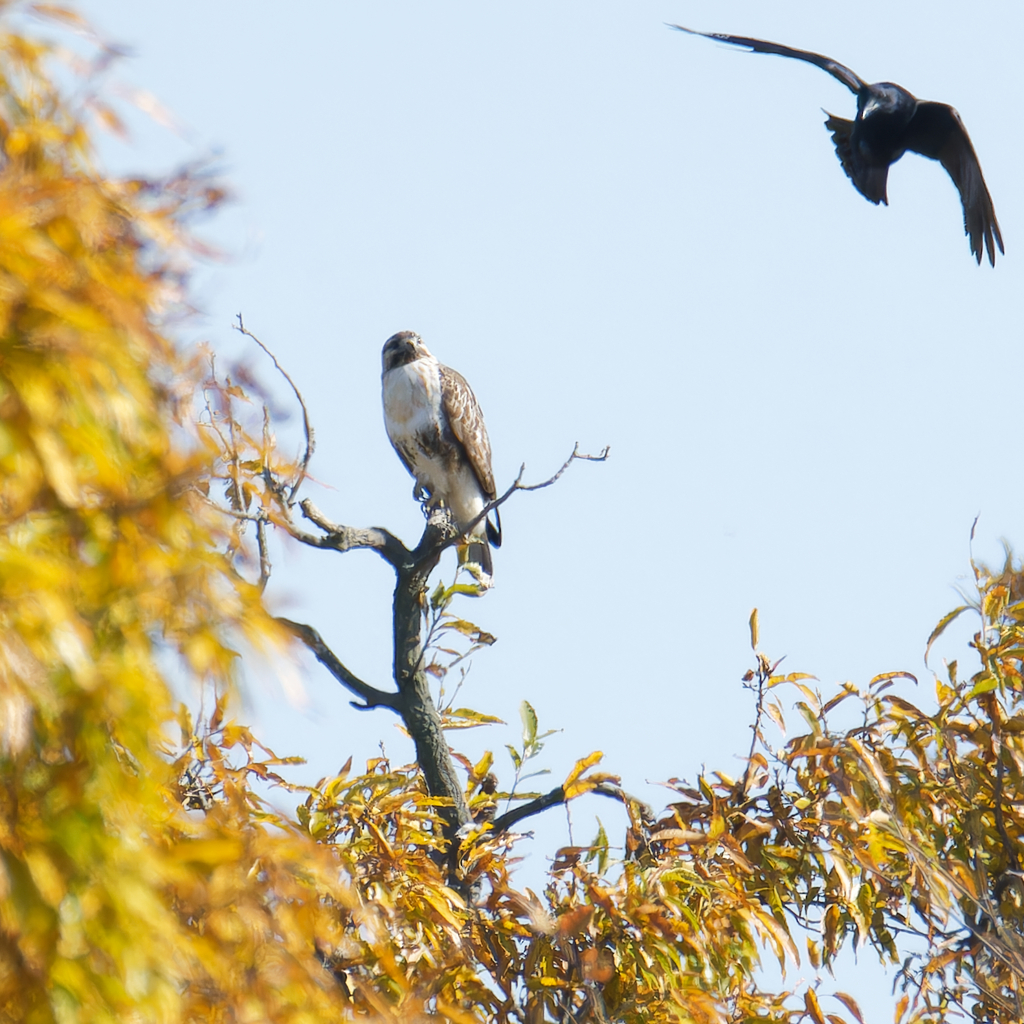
440 518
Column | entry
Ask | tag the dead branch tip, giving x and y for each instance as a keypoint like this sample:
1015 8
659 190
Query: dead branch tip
306 427
576 455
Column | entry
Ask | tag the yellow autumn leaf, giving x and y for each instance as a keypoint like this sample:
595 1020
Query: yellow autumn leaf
574 783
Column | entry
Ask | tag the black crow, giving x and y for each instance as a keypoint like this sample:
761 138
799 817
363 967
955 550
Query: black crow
889 122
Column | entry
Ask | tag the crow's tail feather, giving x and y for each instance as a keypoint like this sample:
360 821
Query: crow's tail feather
869 180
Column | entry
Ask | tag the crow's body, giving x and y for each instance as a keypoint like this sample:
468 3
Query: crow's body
890 122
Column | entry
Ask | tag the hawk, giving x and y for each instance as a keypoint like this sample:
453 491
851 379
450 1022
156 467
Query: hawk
435 424
890 122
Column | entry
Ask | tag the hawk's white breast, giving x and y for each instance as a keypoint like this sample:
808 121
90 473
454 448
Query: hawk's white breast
412 400
416 423
413 413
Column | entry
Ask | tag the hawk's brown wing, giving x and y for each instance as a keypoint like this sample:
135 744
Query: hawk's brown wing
467 424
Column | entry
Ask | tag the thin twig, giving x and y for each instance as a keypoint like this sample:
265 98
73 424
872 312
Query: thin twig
572 458
373 697
275 486
232 513
209 408
236 484
310 436
764 672
261 544
518 485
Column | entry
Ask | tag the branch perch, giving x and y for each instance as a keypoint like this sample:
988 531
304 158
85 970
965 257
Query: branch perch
373 697
346 538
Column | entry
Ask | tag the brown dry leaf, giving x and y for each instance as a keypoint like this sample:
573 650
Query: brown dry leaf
598 965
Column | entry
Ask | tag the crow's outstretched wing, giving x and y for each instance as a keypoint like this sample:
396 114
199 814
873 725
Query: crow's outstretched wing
852 81
936 131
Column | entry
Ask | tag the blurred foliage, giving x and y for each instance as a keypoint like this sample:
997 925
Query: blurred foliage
143 877
116 902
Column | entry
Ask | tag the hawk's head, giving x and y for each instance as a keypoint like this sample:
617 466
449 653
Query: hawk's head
401 348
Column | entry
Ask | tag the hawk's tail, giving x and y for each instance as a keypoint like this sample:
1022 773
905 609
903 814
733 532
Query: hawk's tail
478 553
494 529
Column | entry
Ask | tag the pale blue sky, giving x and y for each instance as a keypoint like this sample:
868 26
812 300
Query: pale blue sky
620 235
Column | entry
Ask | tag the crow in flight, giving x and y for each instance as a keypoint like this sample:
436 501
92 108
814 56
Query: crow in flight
889 122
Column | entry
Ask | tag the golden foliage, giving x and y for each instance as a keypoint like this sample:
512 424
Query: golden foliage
913 819
108 553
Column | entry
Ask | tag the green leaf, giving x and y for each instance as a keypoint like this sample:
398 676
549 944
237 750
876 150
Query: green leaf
529 717
985 684
809 717
599 849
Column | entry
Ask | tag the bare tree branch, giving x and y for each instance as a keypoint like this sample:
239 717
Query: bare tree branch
373 697
505 821
310 436
568 462
345 538
518 485
437 534
413 701
557 797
